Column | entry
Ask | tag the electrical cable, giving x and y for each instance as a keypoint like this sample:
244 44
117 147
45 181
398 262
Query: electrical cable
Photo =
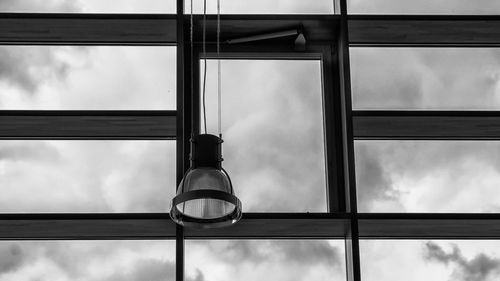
191 36
219 74
204 63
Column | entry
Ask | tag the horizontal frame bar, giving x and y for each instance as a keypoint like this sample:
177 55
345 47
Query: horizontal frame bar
364 30
429 226
150 29
87 124
286 226
102 29
251 226
316 28
86 226
424 30
427 125
160 226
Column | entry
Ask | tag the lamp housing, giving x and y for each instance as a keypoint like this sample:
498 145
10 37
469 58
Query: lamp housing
205 197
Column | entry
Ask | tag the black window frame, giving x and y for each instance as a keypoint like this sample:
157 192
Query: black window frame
329 37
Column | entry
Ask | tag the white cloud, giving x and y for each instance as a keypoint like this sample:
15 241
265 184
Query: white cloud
87 176
424 6
425 78
266 259
86 260
427 176
87 78
88 6
273 132
415 260
263 7
481 267
62 6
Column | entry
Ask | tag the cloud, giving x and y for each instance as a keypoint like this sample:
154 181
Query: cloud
89 260
27 151
264 6
396 83
423 6
266 259
272 125
12 257
300 252
390 179
308 253
373 180
198 277
479 268
149 171
27 67
153 270
425 78
87 176
59 6
147 270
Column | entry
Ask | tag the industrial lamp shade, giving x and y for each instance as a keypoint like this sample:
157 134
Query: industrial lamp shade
205 197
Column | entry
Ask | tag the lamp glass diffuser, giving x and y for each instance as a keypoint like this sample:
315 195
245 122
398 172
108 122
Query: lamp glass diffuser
205 197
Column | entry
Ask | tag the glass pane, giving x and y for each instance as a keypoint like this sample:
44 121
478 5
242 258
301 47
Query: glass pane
263 7
86 176
88 6
272 127
87 77
428 176
277 260
417 260
425 78
456 7
87 260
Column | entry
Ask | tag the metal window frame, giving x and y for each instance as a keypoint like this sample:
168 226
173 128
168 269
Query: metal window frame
329 37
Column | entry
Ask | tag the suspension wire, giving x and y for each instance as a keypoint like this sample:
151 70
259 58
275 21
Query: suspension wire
204 63
219 74
191 63
191 36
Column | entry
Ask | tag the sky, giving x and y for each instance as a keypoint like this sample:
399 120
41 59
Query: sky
139 176
478 7
272 119
87 77
263 7
88 260
389 178
441 260
248 260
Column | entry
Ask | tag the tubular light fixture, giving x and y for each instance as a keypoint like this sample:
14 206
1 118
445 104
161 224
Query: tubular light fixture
205 197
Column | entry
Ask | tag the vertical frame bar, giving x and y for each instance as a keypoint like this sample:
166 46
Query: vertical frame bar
183 125
332 126
196 96
352 236
179 253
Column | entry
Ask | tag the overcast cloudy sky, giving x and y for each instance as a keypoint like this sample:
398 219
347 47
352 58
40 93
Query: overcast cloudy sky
424 6
272 125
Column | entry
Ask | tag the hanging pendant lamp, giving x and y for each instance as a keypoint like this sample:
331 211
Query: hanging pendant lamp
205 197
